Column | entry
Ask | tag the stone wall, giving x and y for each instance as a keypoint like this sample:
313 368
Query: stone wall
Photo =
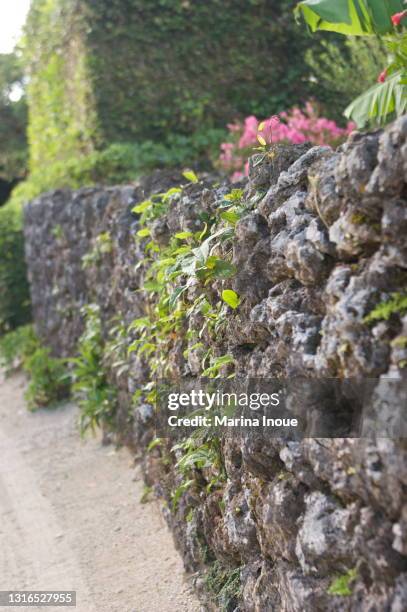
323 242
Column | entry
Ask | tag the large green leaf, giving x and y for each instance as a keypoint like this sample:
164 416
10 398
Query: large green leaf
379 101
350 17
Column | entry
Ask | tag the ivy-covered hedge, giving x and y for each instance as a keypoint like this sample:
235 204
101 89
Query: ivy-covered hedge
120 163
14 292
109 71
62 117
13 119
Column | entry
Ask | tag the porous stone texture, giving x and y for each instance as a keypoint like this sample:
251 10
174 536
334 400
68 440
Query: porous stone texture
324 241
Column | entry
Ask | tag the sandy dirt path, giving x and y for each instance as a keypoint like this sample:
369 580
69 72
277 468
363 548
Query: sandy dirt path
71 517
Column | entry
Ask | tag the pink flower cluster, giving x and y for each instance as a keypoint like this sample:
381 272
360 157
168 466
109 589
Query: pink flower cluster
295 126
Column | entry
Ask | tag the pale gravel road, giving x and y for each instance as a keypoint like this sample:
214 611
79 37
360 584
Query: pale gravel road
71 518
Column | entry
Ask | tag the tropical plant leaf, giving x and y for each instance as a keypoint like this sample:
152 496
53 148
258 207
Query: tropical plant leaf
379 101
350 17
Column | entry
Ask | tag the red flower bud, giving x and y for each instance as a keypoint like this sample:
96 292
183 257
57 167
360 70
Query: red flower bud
382 77
398 17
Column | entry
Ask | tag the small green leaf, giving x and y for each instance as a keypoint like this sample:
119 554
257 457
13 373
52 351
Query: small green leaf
183 235
230 216
217 364
179 491
202 252
140 323
231 298
224 269
144 232
142 207
147 347
190 176
154 443
176 295
200 235
234 196
152 286
342 584
171 193
146 493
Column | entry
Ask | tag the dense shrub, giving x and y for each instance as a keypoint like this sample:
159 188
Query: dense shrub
121 163
295 126
14 290
49 379
14 294
96 397
349 69
16 346
13 120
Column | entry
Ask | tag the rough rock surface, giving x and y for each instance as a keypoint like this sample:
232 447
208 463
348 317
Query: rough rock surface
325 241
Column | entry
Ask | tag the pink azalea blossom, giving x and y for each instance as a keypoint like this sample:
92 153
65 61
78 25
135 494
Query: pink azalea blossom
294 126
268 127
249 135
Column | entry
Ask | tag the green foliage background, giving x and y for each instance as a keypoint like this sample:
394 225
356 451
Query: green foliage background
104 72
14 293
13 120
62 119
348 69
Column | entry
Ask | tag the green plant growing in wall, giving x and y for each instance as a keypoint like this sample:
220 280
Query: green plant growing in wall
103 246
200 451
194 261
396 304
342 585
96 397
224 584
190 259
231 298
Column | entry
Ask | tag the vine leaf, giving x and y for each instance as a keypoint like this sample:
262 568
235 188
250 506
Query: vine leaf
231 298
191 176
